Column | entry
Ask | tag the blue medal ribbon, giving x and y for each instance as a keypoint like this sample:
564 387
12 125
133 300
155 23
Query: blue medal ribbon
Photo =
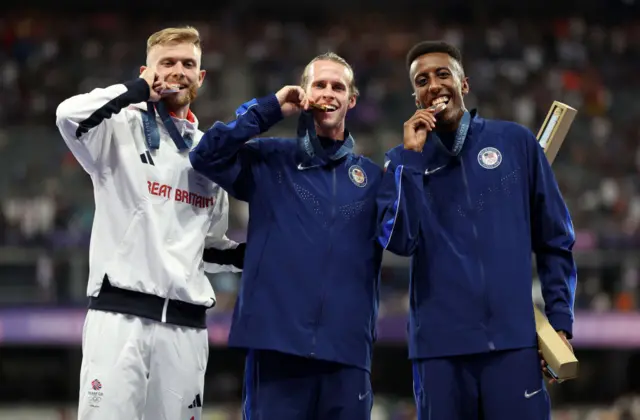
151 132
310 143
461 136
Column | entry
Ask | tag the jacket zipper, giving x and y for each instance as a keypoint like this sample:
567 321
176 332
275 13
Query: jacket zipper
329 264
483 282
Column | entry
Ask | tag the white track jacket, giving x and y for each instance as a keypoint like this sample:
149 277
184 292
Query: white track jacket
153 213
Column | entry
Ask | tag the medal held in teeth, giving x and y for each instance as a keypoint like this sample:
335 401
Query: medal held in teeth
439 104
323 107
172 88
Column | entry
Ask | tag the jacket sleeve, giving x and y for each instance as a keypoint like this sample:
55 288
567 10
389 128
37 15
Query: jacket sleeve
400 201
85 121
553 238
221 254
224 153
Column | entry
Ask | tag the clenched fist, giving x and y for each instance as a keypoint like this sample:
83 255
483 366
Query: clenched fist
417 127
292 100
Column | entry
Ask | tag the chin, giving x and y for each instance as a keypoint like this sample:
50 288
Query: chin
329 125
180 100
450 115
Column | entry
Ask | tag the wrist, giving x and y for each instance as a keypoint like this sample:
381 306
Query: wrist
139 88
561 322
412 159
269 111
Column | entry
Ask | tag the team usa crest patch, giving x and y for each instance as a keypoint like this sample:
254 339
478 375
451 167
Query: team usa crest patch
357 175
489 158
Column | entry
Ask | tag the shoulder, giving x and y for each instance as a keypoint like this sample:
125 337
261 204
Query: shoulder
508 129
274 144
394 152
365 162
263 144
366 165
513 138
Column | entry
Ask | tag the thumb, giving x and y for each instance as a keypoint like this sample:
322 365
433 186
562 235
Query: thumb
301 94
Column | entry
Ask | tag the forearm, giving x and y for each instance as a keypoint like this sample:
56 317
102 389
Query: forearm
558 278
400 203
86 121
223 155
80 114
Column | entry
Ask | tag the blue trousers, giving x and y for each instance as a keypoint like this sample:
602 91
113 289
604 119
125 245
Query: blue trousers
279 386
503 385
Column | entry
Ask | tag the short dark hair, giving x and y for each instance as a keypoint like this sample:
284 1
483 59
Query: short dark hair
429 47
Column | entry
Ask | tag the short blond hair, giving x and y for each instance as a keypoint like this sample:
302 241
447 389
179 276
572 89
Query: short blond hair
330 56
186 34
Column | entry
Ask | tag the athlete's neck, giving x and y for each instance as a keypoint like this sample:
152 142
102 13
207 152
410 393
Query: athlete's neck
336 133
448 127
180 112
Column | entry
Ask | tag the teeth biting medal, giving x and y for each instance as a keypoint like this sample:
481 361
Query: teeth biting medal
323 107
439 104
173 88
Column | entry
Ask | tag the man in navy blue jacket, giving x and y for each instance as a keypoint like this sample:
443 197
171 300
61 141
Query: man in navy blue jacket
307 306
470 199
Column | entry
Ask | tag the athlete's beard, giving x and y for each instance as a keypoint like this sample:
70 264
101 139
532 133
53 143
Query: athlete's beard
182 99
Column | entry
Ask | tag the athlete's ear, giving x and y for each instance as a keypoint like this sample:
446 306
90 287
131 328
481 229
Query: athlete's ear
142 69
201 76
465 85
418 103
352 101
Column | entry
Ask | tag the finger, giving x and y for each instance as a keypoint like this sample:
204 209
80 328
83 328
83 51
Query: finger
428 114
437 108
301 95
421 120
308 103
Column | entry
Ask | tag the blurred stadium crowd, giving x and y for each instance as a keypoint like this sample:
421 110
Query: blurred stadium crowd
517 68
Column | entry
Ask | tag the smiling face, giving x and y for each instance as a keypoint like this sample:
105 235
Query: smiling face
330 83
178 63
436 78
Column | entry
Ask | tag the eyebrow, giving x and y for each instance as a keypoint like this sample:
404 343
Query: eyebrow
177 58
333 82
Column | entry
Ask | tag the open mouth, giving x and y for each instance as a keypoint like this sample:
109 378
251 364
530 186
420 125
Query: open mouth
439 104
324 107
440 100
174 88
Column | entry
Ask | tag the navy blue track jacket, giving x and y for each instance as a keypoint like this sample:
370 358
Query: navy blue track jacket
470 223
312 263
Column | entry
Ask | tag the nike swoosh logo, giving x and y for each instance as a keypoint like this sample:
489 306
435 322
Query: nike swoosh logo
529 395
363 396
432 171
302 168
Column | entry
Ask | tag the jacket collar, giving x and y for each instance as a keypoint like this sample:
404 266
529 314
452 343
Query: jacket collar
189 126
310 151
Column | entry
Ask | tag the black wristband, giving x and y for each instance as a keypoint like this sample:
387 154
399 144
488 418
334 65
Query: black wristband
232 256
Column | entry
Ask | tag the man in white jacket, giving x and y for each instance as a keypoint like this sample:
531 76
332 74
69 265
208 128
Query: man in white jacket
145 343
